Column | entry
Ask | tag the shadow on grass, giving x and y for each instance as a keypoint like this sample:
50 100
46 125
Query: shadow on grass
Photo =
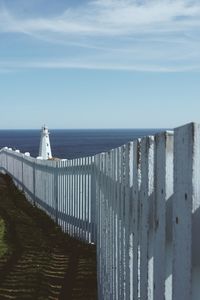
42 262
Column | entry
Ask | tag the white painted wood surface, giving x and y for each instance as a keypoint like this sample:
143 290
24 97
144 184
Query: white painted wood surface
140 205
162 213
186 213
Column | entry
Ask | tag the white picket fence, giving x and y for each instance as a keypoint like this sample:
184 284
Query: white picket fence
140 205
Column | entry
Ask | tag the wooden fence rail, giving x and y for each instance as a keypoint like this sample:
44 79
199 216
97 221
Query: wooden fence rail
140 205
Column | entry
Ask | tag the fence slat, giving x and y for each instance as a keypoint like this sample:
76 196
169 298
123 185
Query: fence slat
134 209
146 198
186 212
163 194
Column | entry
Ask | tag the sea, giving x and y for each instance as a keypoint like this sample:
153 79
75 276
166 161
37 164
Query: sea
72 143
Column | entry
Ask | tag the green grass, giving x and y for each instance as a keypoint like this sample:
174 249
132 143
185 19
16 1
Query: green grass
3 244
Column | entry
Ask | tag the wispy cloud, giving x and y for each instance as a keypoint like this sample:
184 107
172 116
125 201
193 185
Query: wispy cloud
152 35
111 17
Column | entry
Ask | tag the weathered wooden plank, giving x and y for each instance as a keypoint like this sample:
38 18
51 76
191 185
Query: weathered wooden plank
93 200
113 224
89 199
135 169
75 198
55 192
103 228
186 212
98 220
117 218
128 199
82 200
146 197
79 201
163 192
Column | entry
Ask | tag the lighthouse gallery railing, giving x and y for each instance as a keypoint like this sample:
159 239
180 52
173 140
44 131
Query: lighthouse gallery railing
138 203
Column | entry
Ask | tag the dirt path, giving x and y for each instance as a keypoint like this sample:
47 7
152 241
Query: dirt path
42 262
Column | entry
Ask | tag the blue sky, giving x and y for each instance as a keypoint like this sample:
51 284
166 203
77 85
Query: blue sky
99 63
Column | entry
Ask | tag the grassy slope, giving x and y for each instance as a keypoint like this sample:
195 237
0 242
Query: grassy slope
44 263
3 244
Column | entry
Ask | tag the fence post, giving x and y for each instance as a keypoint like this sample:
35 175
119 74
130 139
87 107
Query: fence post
56 191
186 213
6 161
146 217
134 209
128 160
22 172
93 201
34 196
163 217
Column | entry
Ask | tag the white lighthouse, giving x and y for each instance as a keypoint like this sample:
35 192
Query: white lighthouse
45 147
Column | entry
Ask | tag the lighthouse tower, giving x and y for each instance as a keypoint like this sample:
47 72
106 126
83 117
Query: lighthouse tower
45 147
